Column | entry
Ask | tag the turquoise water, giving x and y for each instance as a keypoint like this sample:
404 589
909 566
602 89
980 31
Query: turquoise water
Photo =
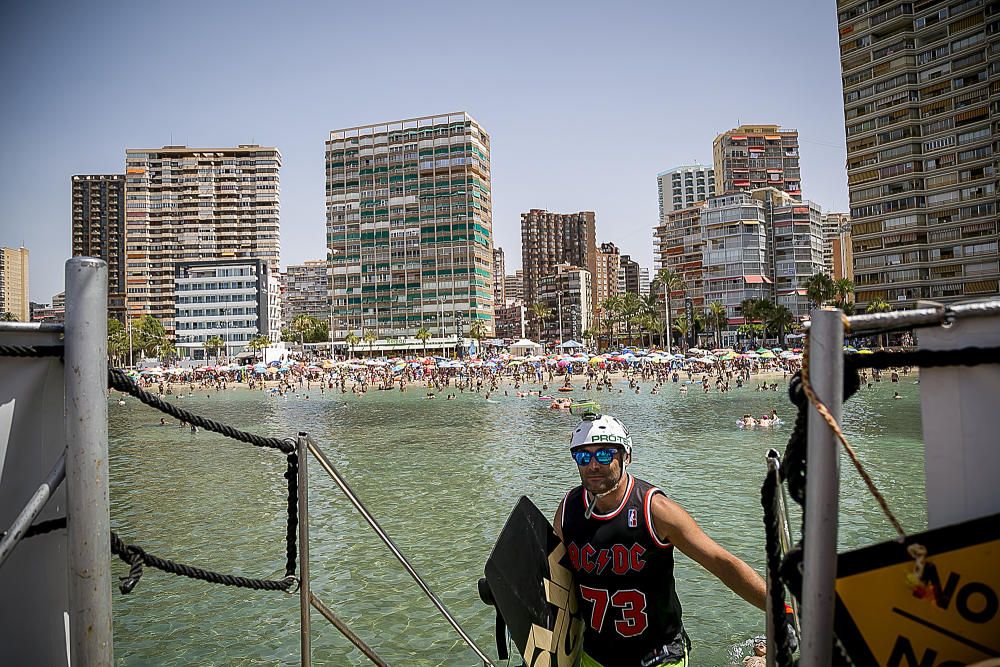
441 477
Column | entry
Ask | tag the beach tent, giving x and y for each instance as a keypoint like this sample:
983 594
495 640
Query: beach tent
525 348
570 345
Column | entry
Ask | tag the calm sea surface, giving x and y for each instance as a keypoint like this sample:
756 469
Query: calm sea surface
441 477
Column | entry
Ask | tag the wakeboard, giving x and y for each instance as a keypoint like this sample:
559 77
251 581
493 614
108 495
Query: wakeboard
529 581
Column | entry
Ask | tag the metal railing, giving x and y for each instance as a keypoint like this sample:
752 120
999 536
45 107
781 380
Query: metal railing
307 446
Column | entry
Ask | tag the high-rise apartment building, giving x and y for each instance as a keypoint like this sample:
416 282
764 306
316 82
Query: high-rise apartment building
794 231
920 105
99 230
549 239
735 256
14 283
605 282
233 300
837 255
644 281
499 277
195 204
628 275
679 244
757 156
566 292
409 227
305 291
513 286
684 186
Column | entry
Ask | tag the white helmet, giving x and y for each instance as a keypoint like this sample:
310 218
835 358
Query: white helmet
598 429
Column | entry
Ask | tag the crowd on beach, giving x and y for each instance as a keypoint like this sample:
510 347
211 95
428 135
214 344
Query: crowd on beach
550 377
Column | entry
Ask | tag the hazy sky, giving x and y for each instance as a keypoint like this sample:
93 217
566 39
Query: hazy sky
585 101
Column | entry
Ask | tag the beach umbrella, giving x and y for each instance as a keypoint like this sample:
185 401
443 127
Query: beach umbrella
767 354
762 350
866 351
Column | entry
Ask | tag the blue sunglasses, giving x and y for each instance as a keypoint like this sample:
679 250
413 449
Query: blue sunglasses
604 456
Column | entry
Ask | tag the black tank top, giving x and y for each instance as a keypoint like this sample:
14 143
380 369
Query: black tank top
625 578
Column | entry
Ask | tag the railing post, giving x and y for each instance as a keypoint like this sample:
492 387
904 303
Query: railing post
302 451
86 410
826 374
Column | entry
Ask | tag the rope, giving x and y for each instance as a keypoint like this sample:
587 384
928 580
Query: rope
31 350
784 636
117 379
41 528
136 557
292 526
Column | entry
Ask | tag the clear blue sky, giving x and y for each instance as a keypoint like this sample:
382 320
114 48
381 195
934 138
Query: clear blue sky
585 101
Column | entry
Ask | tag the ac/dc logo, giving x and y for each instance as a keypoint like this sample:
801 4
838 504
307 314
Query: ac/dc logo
621 558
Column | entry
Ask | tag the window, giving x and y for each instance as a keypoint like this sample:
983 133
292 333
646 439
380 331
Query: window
974 135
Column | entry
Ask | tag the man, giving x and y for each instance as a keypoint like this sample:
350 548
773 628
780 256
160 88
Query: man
619 533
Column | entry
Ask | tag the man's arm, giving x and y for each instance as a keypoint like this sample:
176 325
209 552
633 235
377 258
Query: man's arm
670 520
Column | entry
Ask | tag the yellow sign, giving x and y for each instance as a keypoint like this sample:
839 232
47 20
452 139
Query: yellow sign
949 617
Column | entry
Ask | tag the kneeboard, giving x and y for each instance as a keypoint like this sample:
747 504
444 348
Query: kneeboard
532 589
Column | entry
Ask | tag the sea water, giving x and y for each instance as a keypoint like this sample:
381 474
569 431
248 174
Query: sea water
441 477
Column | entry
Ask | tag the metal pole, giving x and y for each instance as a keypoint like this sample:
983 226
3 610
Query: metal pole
302 451
346 631
559 306
325 463
86 410
32 509
826 374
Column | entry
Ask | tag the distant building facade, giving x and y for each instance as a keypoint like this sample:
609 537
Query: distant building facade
606 279
14 283
837 254
679 244
99 230
750 157
684 186
499 278
567 293
410 229
305 291
628 276
513 286
920 84
512 321
195 204
552 239
235 300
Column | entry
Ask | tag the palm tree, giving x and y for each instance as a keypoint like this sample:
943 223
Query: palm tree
842 289
212 346
370 338
478 331
8 316
117 340
681 326
258 343
779 320
879 306
716 315
352 339
540 312
819 288
611 308
668 281
631 307
754 310
589 335
652 324
423 333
